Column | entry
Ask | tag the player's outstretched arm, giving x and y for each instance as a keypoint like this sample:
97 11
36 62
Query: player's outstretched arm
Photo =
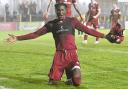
87 30
93 32
11 39
33 35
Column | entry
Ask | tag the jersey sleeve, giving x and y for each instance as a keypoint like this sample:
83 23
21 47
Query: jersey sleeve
49 26
41 31
78 25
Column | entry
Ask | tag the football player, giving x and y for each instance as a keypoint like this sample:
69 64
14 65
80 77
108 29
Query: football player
92 18
63 31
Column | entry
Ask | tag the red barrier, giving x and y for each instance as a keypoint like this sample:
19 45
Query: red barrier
8 26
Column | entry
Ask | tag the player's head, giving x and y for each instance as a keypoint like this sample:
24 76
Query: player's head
93 1
60 10
116 10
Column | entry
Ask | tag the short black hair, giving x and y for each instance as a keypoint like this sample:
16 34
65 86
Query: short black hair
60 4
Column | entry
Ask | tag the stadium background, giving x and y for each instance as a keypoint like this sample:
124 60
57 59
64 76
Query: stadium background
27 14
25 65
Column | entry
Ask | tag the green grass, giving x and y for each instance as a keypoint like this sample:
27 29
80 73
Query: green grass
25 65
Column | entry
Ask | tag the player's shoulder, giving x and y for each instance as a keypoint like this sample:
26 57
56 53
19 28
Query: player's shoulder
71 18
52 21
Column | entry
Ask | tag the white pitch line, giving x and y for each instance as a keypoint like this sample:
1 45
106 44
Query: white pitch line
3 78
2 87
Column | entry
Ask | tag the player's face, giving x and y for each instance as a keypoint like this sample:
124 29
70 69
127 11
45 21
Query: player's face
61 12
116 12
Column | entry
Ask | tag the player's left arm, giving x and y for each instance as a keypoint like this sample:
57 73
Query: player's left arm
76 24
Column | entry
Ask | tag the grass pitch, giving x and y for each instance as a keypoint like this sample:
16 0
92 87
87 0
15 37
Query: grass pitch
25 64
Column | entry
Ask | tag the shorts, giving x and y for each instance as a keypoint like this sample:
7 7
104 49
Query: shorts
63 60
93 22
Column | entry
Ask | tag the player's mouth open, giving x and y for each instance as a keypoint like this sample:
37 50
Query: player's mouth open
61 17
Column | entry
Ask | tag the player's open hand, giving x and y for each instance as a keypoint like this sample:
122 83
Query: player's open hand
11 39
111 38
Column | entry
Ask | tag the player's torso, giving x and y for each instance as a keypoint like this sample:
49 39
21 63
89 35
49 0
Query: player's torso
63 33
115 19
115 15
117 29
62 28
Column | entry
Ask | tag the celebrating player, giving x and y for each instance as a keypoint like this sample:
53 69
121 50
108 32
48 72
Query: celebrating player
69 3
92 18
116 28
63 30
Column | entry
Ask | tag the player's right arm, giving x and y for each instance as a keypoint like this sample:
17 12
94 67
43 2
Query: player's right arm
11 38
33 35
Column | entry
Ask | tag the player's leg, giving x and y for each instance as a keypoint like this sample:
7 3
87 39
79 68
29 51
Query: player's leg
68 72
76 76
73 76
69 12
95 23
56 70
85 39
97 39
88 24
55 75
72 68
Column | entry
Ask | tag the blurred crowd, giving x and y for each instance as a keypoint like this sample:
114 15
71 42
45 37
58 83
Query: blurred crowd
32 10
26 11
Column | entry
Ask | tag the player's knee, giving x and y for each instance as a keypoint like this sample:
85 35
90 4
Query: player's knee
76 81
76 78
